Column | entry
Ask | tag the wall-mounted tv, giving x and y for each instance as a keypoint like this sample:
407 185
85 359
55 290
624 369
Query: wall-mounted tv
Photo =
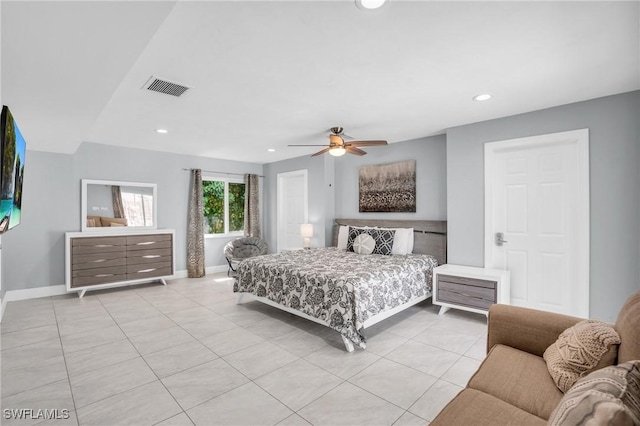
12 155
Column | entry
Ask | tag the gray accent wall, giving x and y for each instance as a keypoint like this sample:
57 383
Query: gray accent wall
33 254
614 142
431 184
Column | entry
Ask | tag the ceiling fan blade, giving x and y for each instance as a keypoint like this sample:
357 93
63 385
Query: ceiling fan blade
354 150
366 143
336 140
324 144
321 152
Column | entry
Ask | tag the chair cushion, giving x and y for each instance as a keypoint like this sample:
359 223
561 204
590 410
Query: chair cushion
587 346
610 396
518 378
627 326
246 247
472 407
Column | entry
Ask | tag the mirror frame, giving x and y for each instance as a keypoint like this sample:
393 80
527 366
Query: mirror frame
83 206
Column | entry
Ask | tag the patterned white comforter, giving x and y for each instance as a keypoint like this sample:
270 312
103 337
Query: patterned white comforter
343 289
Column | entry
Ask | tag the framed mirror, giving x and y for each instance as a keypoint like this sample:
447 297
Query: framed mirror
112 205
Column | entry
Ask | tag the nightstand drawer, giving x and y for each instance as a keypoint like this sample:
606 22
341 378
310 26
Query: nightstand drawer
465 291
475 282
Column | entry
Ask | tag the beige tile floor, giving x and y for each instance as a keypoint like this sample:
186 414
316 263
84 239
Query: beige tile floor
186 354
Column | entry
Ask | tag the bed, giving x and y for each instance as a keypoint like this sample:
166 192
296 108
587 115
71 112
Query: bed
343 290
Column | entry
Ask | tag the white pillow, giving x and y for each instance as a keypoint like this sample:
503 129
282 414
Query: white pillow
343 237
364 244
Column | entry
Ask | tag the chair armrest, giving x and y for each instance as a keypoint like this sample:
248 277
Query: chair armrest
529 330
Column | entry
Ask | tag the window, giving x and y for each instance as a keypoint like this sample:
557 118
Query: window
138 208
223 203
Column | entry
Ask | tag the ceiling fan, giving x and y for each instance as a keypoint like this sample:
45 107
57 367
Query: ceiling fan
338 146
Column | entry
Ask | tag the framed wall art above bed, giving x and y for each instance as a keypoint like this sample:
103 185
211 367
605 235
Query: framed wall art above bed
388 187
344 290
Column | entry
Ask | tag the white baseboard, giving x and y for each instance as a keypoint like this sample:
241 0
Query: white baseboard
2 307
209 270
56 290
35 293
31 293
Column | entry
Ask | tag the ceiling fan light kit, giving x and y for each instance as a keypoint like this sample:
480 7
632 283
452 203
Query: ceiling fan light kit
337 152
370 4
338 147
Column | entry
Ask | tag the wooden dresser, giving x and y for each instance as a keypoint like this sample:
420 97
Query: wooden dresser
97 260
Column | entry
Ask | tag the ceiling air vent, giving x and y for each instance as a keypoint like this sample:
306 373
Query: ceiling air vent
159 85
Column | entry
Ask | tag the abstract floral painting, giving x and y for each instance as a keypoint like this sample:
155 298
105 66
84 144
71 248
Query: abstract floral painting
388 187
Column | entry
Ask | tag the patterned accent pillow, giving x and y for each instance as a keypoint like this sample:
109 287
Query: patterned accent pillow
364 244
384 241
589 345
610 396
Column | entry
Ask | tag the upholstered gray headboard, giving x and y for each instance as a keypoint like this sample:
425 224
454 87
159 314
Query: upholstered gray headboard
430 236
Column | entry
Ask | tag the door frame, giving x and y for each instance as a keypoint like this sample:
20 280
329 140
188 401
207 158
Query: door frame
580 138
280 203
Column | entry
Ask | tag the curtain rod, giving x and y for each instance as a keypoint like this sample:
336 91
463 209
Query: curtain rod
222 173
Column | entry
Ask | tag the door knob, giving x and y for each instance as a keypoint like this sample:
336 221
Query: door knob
500 239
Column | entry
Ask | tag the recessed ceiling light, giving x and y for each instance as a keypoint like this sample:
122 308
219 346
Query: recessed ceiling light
271 150
370 4
482 97
162 131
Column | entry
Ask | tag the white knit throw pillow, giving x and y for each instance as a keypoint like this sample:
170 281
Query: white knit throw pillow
585 347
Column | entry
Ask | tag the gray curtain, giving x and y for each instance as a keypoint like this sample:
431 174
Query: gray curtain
118 207
251 206
195 228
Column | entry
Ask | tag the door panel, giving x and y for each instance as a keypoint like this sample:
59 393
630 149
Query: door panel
535 195
292 208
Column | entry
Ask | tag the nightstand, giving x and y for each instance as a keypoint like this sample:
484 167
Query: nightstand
469 288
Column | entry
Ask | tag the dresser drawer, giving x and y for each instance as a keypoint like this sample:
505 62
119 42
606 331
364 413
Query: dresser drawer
97 260
80 246
146 242
137 257
161 269
93 276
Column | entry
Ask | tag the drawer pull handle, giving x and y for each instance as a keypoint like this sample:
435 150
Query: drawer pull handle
99 260
104 275
103 245
146 270
151 256
146 243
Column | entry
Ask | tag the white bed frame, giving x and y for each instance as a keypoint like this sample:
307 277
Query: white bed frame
430 237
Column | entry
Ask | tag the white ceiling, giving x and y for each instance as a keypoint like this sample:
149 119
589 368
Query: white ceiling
267 74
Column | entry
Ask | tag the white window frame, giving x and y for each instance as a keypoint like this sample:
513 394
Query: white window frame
226 181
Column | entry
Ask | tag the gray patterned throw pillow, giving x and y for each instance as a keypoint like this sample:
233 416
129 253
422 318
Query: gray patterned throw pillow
384 241
382 237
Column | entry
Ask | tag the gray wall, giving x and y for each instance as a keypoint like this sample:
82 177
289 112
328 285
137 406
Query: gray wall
431 185
319 179
614 139
333 185
34 251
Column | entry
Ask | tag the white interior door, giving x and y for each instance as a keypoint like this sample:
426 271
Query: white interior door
537 197
292 208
